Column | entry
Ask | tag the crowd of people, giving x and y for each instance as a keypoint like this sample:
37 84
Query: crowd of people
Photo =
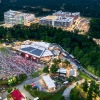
12 64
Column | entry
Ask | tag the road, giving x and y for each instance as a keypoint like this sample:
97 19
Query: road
73 60
67 91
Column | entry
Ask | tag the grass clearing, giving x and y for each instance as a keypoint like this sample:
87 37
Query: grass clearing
37 73
82 75
35 93
45 95
77 94
58 95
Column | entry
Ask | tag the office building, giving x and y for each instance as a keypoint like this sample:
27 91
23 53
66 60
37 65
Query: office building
12 18
56 21
67 14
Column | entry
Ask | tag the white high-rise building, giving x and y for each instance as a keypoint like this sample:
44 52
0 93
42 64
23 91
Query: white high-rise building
15 17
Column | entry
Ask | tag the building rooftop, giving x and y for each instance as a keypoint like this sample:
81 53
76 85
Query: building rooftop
61 12
74 66
38 49
58 18
48 81
12 12
49 18
62 70
65 13
16 95
67 19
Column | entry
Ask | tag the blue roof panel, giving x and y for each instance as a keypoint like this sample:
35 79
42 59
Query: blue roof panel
28 49
37 52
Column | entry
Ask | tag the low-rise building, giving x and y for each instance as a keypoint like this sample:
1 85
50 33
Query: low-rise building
49 83
37 51
69 71
16 95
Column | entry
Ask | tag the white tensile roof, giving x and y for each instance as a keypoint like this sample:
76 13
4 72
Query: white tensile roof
47 53
72 72
48 81
38 49
62 70
42 44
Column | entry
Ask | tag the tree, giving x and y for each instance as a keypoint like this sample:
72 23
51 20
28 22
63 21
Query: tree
96 91
56 62
9 90
94 30
14 79
85 86
93 91
90 94
53 69
66 63
46 69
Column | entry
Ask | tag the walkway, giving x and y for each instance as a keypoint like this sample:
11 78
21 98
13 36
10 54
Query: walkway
23 91
67 91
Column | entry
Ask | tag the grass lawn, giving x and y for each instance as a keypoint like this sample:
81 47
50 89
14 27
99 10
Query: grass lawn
58 95
35 93
45 95
37 73
77 94
82 75
2 49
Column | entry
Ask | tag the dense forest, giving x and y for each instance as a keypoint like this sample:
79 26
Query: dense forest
81 46
94 31
88 8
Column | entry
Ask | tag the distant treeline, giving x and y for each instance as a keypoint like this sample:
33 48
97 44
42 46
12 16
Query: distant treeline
88 8
81 46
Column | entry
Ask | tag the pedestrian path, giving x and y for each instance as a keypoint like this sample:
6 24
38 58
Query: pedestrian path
67 91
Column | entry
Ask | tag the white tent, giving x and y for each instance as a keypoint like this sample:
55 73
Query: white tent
62 70
49 82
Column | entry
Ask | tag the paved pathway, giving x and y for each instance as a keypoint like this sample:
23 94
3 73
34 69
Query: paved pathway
23 91
67 91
